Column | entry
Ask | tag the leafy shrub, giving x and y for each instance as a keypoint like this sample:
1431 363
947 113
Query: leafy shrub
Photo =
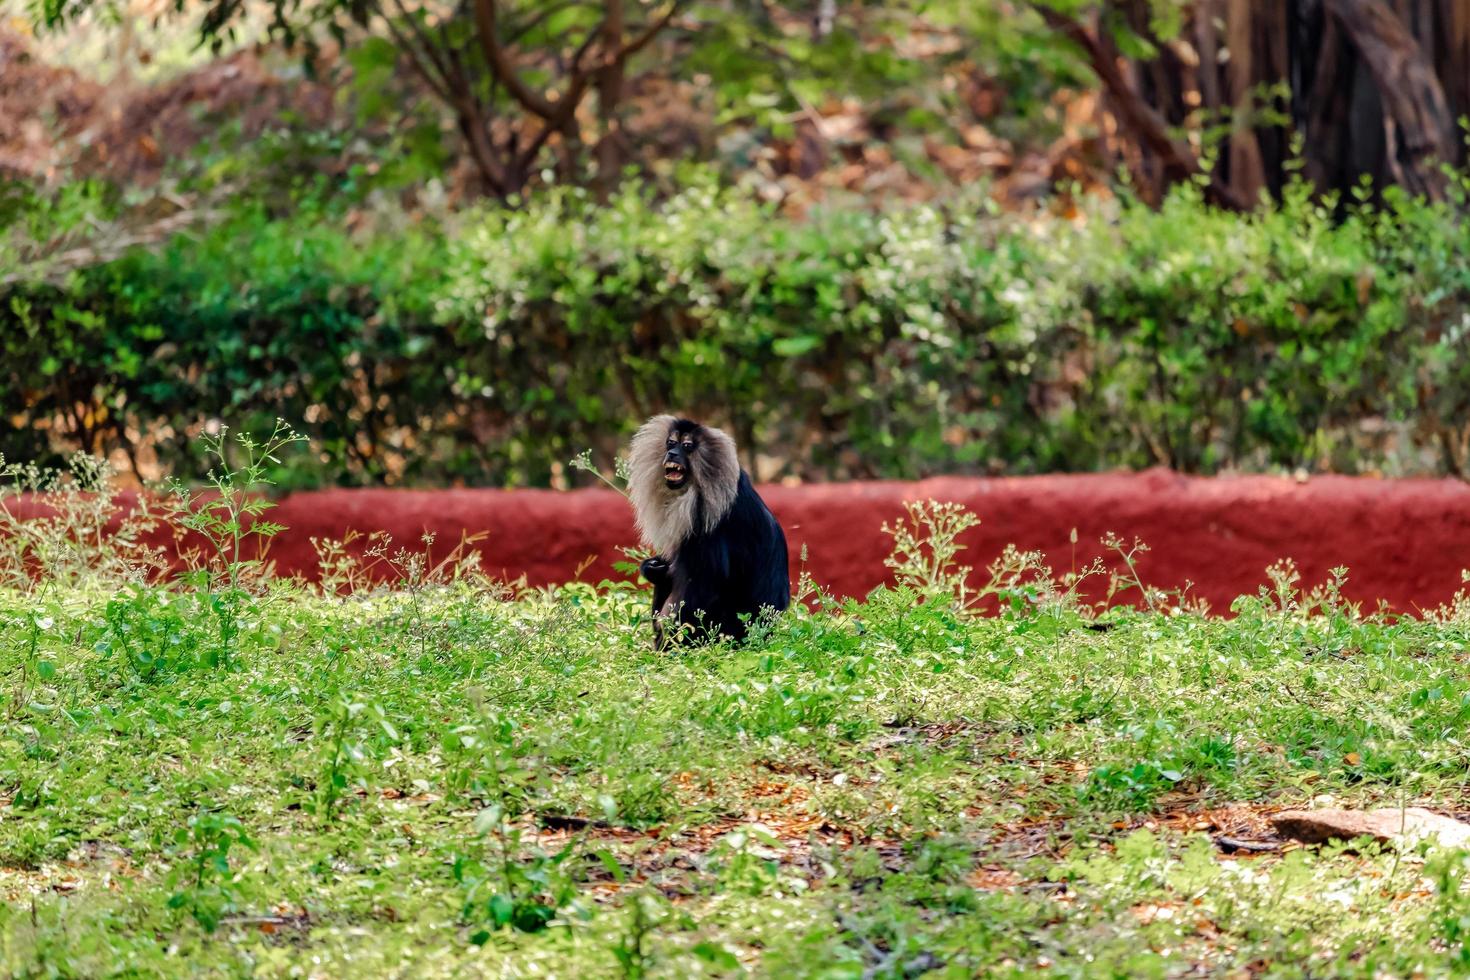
151 631
252 320
207 885
852 343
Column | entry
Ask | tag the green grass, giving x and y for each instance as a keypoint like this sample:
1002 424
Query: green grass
450 782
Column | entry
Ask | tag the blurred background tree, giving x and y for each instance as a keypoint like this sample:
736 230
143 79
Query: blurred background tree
582 89
546 87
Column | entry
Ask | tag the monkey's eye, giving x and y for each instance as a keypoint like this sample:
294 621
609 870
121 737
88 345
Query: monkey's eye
688 446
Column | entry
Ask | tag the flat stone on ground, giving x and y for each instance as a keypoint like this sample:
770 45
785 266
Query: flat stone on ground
1384 824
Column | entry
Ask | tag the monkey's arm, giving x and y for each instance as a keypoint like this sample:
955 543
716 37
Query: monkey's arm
658 573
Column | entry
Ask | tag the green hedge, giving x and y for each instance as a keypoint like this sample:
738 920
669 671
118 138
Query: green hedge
852 343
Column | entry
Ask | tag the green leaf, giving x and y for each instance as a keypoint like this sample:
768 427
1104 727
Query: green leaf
488 819
611 864
796 346
373 52
717 956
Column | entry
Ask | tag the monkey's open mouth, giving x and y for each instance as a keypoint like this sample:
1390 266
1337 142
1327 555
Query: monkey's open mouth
674 476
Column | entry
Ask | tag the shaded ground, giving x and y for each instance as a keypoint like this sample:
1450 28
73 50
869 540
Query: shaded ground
53 118
40 107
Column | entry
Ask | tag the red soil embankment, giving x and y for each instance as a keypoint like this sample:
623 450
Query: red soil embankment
1403 541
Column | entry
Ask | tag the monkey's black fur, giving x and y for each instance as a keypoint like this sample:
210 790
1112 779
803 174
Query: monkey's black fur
719 573
738 568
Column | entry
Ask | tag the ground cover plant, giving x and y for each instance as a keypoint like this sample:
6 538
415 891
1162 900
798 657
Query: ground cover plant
453 777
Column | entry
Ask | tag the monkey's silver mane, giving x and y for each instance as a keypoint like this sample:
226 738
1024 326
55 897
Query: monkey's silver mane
666 518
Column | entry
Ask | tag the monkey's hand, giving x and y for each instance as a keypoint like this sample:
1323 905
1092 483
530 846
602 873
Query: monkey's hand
655 569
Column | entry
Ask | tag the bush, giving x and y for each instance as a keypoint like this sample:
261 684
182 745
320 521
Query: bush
853 343
253 320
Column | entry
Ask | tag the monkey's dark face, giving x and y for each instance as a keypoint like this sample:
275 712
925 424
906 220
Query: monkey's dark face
680 446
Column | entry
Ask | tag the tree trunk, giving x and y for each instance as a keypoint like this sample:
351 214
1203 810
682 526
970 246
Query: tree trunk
1373 87
610 78
1416 115
1147 125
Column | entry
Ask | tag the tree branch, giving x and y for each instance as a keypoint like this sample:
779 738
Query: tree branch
487 22
1147 126
650 32
424 41
40 265
438 83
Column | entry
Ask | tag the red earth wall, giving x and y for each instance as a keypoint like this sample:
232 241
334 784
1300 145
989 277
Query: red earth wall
1404 541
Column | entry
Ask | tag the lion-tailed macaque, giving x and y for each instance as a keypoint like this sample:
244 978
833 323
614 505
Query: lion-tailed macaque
719 555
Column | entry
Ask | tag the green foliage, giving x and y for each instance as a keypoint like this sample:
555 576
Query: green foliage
151 631
206 885
225 515
897 343
338 728
258 321
507 881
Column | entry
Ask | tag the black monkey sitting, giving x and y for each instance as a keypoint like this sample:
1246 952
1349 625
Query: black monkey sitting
718 552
